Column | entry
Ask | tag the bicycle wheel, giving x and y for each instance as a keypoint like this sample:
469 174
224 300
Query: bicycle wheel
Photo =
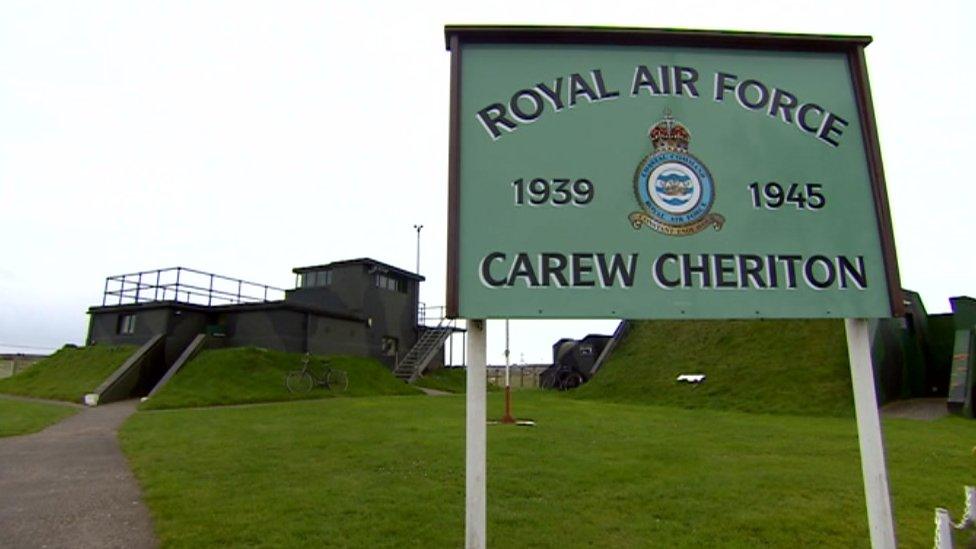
298 381
337 381
572 380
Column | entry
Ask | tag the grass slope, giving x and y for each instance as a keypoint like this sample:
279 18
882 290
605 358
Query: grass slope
20 418
247 374
451 380
69 373
781 366
389 472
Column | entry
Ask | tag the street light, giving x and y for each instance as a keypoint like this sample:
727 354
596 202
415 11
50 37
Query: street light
418 227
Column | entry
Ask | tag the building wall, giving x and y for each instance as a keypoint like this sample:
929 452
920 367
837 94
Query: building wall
394 314
353 291
184 325
337 337
103 327
280 329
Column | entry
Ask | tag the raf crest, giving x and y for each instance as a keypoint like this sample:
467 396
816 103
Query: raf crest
674 189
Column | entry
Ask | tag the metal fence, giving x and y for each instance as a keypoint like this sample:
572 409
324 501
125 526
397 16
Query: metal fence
186 286
521 377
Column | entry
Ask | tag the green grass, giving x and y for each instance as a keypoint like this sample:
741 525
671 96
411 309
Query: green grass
389 472
18 417
246 375
781 366
68 374
451 380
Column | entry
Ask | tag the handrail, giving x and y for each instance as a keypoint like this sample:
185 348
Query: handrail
618 334
187 286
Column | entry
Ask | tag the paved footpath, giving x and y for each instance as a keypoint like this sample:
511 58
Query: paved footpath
70 486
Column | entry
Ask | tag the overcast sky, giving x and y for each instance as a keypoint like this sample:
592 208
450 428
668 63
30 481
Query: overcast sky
250 138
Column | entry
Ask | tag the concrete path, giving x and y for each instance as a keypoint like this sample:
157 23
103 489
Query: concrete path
926 409
70 486
434 392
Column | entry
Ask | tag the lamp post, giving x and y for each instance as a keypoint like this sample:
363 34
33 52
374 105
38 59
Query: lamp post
507 418
418 227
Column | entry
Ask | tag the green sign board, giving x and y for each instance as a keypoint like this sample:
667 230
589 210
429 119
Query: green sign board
601 173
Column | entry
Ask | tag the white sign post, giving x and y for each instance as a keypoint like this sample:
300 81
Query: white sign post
880 521
476 441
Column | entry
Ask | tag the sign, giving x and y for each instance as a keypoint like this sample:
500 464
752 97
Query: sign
615 173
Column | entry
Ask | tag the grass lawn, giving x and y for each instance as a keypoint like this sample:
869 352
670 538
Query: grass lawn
18 417
247 374
451 380
389 472
68 374
781 366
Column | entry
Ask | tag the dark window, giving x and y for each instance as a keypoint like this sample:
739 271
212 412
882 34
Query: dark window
127 324
323 278
315 279
389 282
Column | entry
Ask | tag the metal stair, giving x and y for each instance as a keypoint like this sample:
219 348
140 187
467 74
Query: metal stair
417 359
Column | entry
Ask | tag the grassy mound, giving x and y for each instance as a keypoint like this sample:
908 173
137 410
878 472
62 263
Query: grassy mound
69 373
247 374
451 380
767 366
20 418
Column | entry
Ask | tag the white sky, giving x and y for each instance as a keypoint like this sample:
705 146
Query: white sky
248 138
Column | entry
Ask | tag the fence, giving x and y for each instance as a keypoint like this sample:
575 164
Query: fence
945 538
520 377
13 365
186 286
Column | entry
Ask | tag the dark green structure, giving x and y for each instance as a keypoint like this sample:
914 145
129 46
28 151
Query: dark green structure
359 307
963 370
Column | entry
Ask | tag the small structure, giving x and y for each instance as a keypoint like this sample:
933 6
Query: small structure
574 361
359 307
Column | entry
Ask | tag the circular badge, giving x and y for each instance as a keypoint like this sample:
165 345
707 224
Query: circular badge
674 187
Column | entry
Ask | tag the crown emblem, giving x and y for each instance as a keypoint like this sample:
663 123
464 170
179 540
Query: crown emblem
668 135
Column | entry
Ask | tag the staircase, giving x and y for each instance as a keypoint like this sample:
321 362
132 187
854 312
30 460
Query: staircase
417 359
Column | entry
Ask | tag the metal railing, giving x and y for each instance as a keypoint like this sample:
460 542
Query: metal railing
455 349
186 286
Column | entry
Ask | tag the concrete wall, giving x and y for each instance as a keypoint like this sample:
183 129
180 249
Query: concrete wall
942 333
184 325
103 327
280 329
337 337
353 291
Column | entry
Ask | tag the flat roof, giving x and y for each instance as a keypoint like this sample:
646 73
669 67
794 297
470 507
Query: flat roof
361 261
650 36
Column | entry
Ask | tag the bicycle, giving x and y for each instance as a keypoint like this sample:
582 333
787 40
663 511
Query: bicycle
316 373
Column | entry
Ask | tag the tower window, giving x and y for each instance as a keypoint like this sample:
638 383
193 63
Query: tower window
388 282
127 324
315 279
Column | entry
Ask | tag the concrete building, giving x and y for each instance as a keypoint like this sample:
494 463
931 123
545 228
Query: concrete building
359 307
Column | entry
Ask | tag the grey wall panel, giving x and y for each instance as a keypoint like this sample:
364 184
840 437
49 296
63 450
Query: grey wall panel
283 329
330 336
